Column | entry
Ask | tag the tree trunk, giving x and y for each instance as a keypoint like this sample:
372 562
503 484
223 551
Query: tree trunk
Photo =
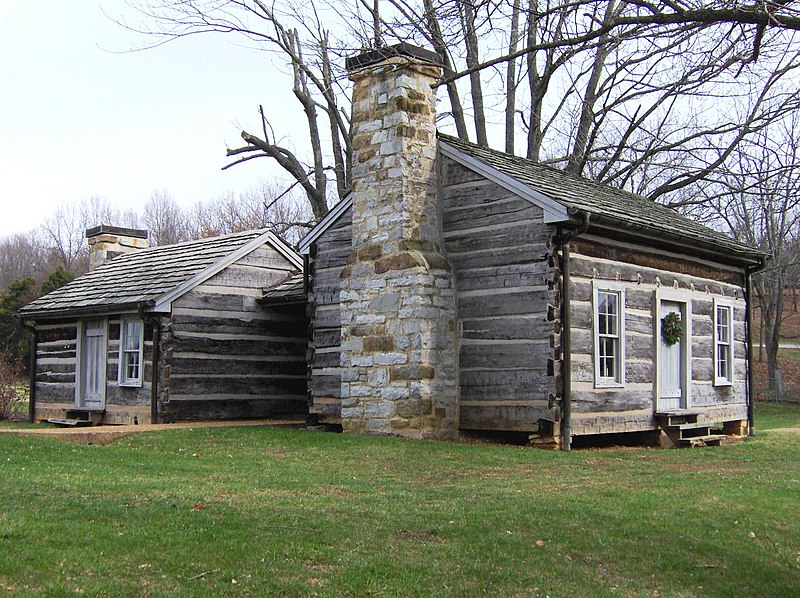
511 79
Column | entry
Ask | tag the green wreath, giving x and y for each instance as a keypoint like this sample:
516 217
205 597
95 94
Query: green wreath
671 329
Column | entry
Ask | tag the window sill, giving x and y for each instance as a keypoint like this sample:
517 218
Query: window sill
610 384
132 384
723 383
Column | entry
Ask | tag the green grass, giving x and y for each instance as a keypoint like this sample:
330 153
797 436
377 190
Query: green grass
281 512
776 415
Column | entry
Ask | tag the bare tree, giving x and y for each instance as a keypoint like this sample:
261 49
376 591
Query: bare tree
757 197
22 255
263 206
648 96
165 221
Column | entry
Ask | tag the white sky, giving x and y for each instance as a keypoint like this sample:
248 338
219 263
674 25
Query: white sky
78 118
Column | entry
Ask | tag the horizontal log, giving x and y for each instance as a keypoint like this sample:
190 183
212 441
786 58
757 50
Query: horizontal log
236 347
510 237
507 328
294 327
503 356
685 267
64 333
214 409
453 173
326 359
632 421
535 274
465 209
491 258
262 366
325 386
236 385
127 396
327 317
523 301
636 372
610 400
504 418
326 337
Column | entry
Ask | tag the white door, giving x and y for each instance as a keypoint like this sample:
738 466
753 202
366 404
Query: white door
671 362
92 363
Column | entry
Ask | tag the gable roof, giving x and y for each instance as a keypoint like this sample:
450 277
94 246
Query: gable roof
290 290
152 278
602 201
558 193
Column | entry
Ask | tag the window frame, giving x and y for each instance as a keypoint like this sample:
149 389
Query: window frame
725 307
618 380
122 378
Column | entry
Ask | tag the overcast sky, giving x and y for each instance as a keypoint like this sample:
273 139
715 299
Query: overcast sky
80 116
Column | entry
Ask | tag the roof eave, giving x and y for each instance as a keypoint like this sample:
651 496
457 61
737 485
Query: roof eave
80 312
713 250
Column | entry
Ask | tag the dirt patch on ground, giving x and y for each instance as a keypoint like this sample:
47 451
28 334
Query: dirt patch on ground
108 434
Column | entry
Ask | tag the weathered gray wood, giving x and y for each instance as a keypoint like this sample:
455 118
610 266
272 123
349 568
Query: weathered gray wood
505 418
235 347
327 318
513 236
259 408
637 346
674 267
511 327
635 371
197 366
326 385
609 401
503 355
502 385
536 274
237 385
524 301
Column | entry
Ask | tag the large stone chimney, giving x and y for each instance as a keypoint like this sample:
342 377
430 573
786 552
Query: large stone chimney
397 298
107 242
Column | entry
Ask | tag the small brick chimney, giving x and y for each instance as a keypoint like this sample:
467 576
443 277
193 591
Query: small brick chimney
107 242
397 299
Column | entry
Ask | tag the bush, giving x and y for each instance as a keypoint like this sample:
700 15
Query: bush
13 394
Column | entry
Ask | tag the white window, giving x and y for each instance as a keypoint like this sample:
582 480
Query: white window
723 344
609 337
130 353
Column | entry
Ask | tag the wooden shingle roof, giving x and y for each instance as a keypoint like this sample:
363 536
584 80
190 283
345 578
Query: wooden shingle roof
147 276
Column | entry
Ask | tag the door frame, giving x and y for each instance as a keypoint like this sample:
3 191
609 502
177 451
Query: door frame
684 298
78 402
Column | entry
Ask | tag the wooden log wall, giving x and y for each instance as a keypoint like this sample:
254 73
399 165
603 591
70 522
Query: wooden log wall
224 356
642 272
328 257
56 367
499 249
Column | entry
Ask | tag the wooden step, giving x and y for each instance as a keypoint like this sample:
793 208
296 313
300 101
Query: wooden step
677 417
72 422
92 416
707 440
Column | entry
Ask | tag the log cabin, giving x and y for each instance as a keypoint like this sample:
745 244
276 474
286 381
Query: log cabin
172 333
457 288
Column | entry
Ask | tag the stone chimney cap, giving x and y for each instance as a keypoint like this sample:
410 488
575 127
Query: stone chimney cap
105 229
377 55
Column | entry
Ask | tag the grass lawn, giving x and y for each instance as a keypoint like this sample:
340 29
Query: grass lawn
253 511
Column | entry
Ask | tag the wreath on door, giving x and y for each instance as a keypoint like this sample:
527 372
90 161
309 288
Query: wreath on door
671 329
